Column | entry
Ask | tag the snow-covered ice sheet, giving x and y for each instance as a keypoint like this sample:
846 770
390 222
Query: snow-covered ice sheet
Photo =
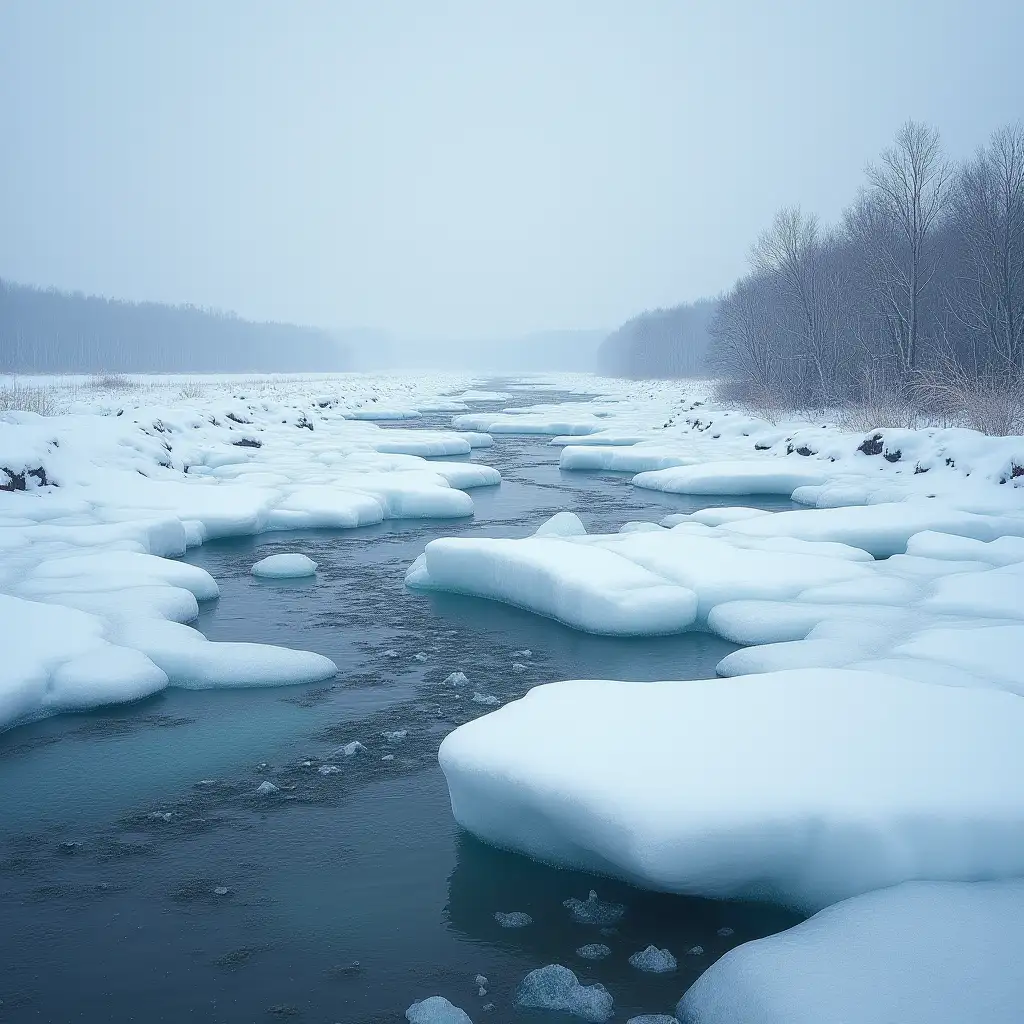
919 953
802 787
588 588
94 504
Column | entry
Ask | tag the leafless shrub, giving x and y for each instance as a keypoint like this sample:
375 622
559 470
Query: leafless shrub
992 403
113 382
191 389
15 397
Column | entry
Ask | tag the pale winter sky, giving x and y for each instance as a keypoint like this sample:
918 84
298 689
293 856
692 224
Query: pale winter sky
458 169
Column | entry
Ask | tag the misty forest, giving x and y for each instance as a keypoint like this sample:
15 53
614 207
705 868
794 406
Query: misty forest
511 514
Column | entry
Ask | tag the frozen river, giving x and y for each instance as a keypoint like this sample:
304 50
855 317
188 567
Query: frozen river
142 879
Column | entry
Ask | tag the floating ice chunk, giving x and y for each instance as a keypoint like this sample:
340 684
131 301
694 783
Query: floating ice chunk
654 960
480 980
192 661
388 757
882 530
897 802
619 458
352 748
724 933
556 988
221 890
652 1018
420 656
455 679
484 698
695 951
593 910
767 476
515 919
586 587
527 653
436 1010
328 769
593 951
285 566
518 666
395 736
918 953
266 788
562 524
389 653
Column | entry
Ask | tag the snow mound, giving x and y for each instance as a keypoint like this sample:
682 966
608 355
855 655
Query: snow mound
284 566
833 788
436 1010
593 951
562 524
556 988
918 953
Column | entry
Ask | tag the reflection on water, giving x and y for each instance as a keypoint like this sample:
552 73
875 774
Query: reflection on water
139 869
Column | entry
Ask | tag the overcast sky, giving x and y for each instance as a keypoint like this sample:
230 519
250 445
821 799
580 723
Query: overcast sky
461 169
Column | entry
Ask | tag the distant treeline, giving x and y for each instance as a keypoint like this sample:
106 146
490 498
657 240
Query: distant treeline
48 331
660 343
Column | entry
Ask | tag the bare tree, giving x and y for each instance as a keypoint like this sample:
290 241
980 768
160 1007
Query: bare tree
987 296
907 193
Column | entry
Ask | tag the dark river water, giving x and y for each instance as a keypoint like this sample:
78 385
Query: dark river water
351 894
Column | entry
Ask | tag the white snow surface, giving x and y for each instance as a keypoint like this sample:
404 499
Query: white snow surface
285 566
122 482
918 953
802 787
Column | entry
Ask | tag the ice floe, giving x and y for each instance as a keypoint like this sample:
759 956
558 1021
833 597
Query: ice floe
285 566
832 787
556 988
918 953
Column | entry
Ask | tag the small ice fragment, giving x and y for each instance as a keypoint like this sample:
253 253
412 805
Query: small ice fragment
518 666
725 932
206 782
594 911
388 757
516 919
695 951
389 653
522 654
455 679
352 748
395 737
221 890
657 961
160 815
556 988
280 567
593 951
265 788
261 766
480 980
481 991
436 1010
329 769
653 1018
307 764
488 1007
484 698
420 656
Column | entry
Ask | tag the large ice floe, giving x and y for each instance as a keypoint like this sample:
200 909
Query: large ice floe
920 953
803 787
96 503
